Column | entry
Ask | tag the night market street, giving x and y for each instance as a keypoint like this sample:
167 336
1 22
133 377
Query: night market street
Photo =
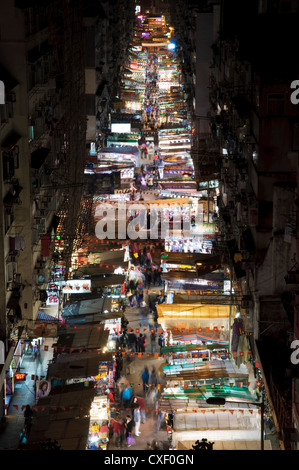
149 181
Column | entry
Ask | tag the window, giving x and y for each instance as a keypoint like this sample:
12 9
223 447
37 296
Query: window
8 166
11 269
8 217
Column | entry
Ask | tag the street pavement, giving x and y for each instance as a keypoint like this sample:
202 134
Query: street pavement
132 370
24 394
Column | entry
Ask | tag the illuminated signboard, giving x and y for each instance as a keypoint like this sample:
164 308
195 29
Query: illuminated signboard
20 376
77 286
121 128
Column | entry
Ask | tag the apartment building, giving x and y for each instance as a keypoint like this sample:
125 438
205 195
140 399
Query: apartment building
256 125
42 138
104 29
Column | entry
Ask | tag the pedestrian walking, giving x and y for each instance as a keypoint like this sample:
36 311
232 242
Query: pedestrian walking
132 341
126 397
28 414
145 379
160 418
137 420
153 378
141 403
153 342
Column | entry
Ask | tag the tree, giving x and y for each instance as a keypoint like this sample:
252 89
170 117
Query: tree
203 445
50 445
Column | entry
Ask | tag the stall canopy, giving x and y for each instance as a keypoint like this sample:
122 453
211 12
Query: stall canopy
114 280
94 306
63 417
229 429
195 322
191 258
158 202
215 299
196 310
82 365
200 272
79 338
102 268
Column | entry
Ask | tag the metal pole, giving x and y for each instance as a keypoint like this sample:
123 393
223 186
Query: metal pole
208 202
222 401
230 310
262 422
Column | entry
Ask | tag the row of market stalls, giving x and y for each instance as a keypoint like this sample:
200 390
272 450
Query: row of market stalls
207 352
73 406
200 365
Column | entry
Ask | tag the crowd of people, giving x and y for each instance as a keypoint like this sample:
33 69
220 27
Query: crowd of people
131 409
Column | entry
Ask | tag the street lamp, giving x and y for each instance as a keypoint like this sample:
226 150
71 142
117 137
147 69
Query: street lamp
222 401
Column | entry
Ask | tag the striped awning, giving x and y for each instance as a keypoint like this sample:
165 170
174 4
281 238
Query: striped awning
44 317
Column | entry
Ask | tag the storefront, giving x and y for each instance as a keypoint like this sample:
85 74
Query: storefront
11 374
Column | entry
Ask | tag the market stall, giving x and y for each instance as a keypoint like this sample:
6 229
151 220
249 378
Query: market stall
229 428
98 437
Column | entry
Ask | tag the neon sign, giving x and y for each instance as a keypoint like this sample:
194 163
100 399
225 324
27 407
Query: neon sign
20 376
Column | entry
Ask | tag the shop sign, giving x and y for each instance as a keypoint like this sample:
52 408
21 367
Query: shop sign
53 289
21 376
102 375
118 104
77 286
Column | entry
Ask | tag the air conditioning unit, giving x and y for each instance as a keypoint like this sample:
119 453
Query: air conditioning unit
40 225
40 264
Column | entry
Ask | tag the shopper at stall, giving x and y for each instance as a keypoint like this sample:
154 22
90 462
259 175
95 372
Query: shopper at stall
118 427
161 342
160 418
110 396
